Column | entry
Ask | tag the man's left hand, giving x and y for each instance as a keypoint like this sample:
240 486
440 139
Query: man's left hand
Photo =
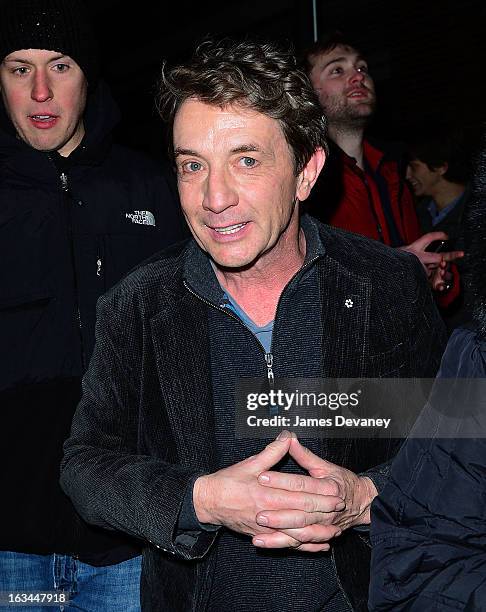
310 531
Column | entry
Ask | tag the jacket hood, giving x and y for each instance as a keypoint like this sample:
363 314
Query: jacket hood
475 233
100 117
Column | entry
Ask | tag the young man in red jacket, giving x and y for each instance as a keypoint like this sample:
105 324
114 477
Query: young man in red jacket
363 189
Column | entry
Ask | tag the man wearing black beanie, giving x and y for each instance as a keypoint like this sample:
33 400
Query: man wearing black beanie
76 213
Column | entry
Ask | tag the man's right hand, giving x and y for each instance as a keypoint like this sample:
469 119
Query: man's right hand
233 496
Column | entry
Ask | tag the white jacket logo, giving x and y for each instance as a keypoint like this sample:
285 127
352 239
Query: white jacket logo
142 217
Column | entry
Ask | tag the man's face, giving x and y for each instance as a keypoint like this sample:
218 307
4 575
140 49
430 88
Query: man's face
237 183
423 180
345 89
44 93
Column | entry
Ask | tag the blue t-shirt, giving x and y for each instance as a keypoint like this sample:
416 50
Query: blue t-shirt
263 334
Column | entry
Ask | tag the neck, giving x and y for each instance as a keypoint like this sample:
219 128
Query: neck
350 139
258 288
446 192
74 142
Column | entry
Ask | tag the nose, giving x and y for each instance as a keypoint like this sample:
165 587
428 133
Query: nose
220 191
408 174
357 76
41 89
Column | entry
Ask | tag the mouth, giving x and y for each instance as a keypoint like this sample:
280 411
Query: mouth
43 117
229 229
43 121
358 93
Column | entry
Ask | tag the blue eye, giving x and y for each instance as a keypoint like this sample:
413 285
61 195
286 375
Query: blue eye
192 166
248 162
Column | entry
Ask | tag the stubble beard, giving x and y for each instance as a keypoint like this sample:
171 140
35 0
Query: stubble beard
349 118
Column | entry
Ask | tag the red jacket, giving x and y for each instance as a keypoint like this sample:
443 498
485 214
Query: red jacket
360 208
346 196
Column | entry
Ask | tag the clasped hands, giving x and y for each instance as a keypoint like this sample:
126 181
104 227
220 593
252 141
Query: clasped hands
281 510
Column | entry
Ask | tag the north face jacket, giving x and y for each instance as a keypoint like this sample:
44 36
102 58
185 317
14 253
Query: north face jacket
69 229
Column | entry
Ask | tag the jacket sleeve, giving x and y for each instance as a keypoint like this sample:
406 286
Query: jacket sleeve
111 485
428 525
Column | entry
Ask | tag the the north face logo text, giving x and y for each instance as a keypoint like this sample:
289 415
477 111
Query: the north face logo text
142 217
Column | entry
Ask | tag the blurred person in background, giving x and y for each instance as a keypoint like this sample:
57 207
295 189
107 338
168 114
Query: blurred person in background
362 188
438 171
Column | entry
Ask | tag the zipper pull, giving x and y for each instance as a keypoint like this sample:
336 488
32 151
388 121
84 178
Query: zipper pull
272 410
98 267
269 361
64 181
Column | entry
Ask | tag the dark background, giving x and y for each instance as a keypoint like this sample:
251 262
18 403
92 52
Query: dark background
428 57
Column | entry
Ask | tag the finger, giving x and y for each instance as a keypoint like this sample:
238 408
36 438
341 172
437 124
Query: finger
452 255
293 519
438 280
306 458
279 499
424 241
301 483
272 453
276 539
430 259
314 548
314 534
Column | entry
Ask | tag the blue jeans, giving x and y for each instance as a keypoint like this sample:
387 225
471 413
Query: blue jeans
113 588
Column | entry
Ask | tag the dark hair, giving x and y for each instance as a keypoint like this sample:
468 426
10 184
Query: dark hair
326 43
439 145
262 77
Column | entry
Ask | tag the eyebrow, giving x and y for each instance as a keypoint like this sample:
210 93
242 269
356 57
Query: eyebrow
21 60
245 148
343 58
178 151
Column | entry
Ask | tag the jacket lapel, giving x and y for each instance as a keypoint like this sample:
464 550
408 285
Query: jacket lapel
181 343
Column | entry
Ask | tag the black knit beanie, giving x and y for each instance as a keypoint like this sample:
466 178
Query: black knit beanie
54 25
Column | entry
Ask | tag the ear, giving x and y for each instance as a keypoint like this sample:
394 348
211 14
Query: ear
309 174
442 169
